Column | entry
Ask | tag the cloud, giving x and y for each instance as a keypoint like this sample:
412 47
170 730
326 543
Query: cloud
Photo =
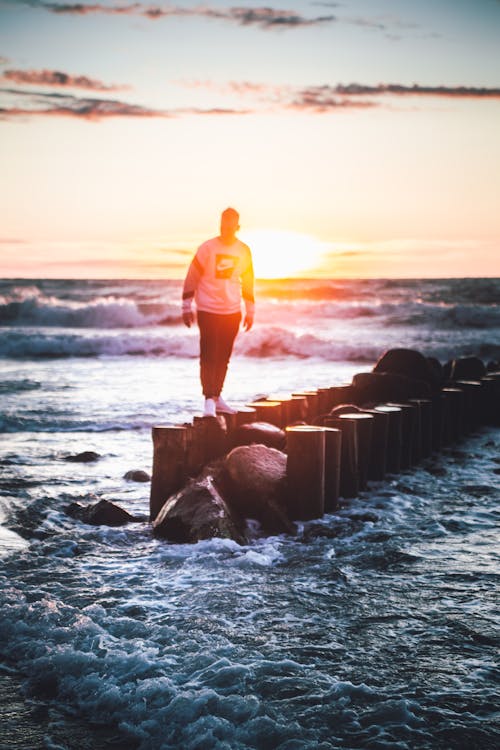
325 98
4 60
55 104
57 78
263 17
65 105
396 89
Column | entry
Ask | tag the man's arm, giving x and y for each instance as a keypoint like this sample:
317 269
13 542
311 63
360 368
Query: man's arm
247 284
191 281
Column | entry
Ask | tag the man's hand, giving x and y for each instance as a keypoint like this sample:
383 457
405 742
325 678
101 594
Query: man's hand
248 322
188 318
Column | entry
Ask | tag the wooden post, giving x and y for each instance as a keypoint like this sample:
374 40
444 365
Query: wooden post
324 400
170 447
410 433
287 407
333 448
349 465
425 408
364 430
472 402
491 400
209 438
268 411
394 437
454 412
340 394
312 402
299 409
378 455
438 421
305 471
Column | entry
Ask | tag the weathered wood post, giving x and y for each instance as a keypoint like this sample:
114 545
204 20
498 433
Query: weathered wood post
333 449
425 408
209 438
287 407
170 447
340 394
438 420
349 465
410 433
378 454
268 411
454 413
324 400
472 402
312 402
491 399
305 471
394 436
299 409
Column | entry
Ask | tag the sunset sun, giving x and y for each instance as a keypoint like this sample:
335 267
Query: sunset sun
280 254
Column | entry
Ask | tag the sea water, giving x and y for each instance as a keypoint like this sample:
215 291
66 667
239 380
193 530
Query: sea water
374 627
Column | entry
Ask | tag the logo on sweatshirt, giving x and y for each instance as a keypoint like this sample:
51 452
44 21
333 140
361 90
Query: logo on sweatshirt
225 265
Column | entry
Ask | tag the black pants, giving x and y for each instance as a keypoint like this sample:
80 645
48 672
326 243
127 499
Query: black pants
217 335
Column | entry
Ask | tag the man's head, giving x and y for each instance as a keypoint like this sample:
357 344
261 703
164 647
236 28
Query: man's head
229 224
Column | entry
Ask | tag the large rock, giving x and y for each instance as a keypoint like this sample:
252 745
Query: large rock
467 368
409 363
254 483
374 388
198 512
259 432
102 513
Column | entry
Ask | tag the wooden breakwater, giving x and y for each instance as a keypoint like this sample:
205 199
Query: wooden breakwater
336 440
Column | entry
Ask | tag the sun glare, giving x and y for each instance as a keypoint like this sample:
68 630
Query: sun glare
280 254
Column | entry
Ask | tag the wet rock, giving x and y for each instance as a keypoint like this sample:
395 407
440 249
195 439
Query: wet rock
259 432
254 482
102 513
196 512
83 457
409 363
376 387
137 475
467 368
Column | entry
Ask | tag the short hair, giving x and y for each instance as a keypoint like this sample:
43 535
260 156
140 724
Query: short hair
230 212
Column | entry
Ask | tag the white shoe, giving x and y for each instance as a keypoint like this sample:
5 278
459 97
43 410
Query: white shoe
224 408
209 407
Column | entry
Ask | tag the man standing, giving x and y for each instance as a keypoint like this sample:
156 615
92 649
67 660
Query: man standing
220 274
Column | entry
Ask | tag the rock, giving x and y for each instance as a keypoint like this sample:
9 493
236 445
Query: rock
374 388
493 366
84 457
258 432
254 483
437 369
102 513
197 512
467 368
137 475
409 363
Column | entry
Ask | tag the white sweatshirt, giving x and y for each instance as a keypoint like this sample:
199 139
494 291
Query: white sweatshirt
218 277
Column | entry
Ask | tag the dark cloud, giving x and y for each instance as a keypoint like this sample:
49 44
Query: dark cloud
56 104
263 17
57 78
395 89
325 98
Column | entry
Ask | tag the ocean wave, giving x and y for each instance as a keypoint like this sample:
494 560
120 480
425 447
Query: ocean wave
30 307
263 342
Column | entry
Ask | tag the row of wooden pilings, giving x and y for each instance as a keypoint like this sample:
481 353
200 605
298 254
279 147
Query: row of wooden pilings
329 455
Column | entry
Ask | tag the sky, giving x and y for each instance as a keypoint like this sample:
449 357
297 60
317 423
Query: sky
356 139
